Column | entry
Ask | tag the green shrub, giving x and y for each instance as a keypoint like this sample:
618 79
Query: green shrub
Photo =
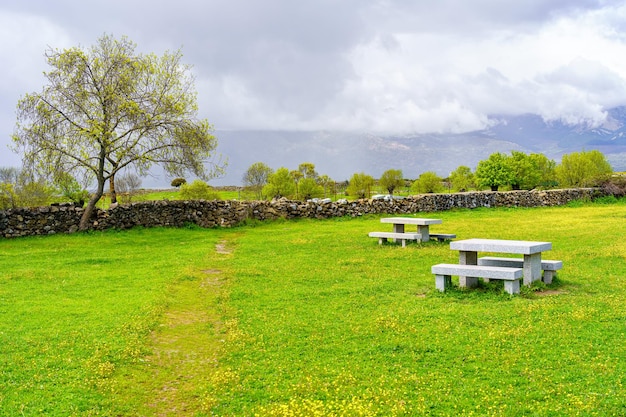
428 182
360 185
71 190
198 190
583 169
8 198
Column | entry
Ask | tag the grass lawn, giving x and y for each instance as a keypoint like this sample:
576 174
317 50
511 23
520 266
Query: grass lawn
306 318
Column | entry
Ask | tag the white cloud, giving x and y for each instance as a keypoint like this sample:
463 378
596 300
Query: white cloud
378 65
569 68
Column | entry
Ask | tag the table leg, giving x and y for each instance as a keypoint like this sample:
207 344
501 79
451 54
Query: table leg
468 258
423 230
532 268
397 228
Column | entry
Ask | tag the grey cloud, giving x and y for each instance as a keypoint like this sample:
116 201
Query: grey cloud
589 76
396 65
478 16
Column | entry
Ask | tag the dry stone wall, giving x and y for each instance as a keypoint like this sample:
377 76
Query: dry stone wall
65 218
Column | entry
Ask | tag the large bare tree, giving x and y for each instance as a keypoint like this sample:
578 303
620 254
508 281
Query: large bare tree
107 108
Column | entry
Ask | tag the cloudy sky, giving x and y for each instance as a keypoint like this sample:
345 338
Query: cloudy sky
380 66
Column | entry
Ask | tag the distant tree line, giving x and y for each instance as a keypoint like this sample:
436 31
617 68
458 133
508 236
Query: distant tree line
500 171
305 183
19 188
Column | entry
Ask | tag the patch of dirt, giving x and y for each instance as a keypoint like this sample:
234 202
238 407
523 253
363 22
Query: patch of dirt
220 247
183 318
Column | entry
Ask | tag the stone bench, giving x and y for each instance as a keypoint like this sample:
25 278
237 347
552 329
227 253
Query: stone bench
403 237
511 276
442 236
549 267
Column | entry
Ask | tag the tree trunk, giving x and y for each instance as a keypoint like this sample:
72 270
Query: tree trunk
112 189
91 205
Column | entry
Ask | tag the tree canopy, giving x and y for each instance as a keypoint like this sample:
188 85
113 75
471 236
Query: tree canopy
360 185
583 169
462 178
108 108
256 177
494 171
280 184
427 182
391 179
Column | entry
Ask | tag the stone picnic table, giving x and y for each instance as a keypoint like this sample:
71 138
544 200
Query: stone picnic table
531 265
422 225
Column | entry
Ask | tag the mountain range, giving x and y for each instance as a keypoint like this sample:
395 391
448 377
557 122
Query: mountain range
341 154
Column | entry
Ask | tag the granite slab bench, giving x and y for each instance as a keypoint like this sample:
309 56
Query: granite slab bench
510 276
549 267
442 236
403 237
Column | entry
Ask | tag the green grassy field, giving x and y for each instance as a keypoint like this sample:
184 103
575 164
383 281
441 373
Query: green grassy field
306 318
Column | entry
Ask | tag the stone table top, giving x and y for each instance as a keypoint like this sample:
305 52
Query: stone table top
410 220
523 247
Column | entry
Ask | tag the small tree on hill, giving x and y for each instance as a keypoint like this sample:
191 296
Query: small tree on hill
309 188
360 185
525 173
462 178
280 184
307 169
327 184
494 172
198 190
255 178
391 180
427 182
177 182
583 169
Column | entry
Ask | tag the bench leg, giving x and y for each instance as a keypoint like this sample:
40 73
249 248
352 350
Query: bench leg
382 240
547 276
512 287
403 243
442 282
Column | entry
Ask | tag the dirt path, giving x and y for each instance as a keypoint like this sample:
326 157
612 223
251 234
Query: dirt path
186 345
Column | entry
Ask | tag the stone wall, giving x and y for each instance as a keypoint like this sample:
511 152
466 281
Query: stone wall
65 218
